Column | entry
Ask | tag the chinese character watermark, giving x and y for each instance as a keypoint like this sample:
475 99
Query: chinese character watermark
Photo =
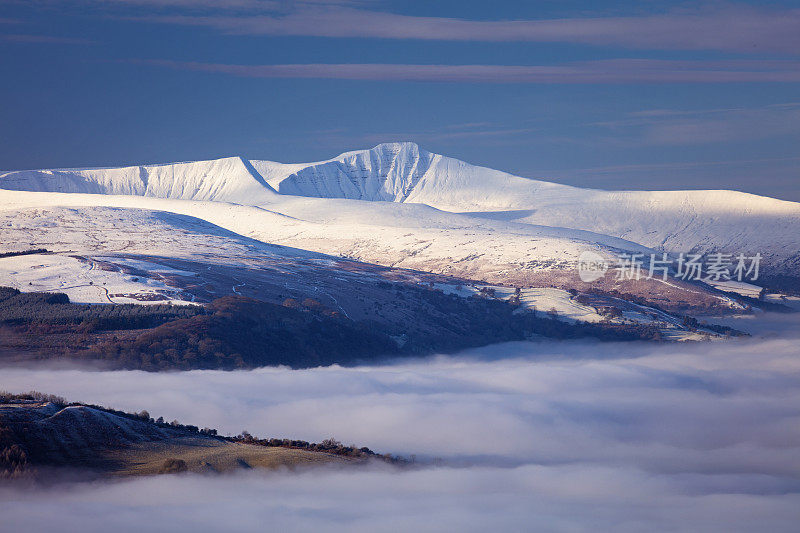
713 267
591 266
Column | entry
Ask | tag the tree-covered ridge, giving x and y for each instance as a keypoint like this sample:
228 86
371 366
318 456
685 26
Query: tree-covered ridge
236 332
55 309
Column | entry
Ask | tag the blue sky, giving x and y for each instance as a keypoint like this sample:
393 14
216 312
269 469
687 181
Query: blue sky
617 95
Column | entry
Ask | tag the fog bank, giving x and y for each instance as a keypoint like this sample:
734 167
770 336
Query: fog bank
552 437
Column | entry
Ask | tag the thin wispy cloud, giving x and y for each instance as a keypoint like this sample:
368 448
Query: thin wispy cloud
714 26
649 167
777 177
454 133
43 39
665 127
201 6
587 72
729 28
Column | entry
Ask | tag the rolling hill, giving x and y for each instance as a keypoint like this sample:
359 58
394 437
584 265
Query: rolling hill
42 436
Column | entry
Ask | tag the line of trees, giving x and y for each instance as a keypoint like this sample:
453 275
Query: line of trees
24 252
237 332
55 309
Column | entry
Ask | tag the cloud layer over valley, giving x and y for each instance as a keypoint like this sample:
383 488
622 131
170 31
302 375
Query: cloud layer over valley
546 436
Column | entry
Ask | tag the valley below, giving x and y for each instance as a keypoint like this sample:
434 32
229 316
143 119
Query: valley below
522 433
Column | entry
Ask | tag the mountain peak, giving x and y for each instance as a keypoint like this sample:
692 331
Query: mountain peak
402 149
385 172
404 146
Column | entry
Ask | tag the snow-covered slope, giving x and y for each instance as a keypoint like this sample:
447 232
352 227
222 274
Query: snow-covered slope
392 234
676 221
410 236
388 172
351 202
231 179
402 172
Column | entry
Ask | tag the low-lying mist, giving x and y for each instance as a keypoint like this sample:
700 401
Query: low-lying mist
543 498
531 436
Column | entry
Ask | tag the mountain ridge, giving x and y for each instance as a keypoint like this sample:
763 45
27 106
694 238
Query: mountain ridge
403 173
260 171
226 179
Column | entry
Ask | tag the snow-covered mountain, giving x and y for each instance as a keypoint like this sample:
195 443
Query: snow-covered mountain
399 206
675 221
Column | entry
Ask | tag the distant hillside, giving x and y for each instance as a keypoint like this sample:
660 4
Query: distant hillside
236 332
42 435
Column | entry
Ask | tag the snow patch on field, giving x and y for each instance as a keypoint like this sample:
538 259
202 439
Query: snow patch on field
541 299
562 305
146 266
560 302
82 280
738 287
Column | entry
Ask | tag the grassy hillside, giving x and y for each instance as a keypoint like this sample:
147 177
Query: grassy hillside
41 432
